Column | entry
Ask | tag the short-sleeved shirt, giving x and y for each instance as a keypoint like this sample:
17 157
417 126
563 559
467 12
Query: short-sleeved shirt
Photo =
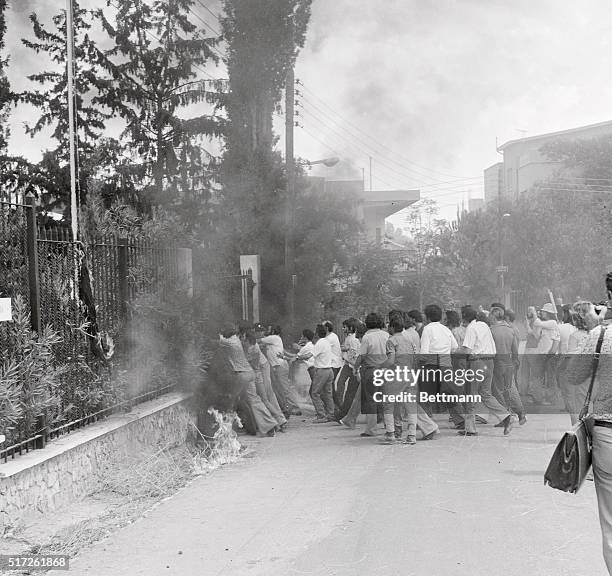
459 334
402 349
334 342
373 349
322 353
413 338
549 333
478 339
351 347
506 344
274 347
565 331
304 350
235 354
437 340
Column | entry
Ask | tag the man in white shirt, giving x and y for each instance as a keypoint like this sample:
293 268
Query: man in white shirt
306 353
479 346
334 342
321 391
437 343
274 348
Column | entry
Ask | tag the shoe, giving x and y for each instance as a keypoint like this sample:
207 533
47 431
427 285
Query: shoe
523 420
322 420
349 426
388 438
508 424
481 420
411 440
295 413
283 427
499 424
466 433
271 432
431 435
367 435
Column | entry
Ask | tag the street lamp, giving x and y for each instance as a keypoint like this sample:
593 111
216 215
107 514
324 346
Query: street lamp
327 162
502 268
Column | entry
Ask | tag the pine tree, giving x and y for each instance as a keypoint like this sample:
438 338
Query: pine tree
263 40
154 67
52 175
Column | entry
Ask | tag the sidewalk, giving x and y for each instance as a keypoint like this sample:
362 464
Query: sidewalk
320 500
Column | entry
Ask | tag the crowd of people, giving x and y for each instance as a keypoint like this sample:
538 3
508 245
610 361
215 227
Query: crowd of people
560 342
478 341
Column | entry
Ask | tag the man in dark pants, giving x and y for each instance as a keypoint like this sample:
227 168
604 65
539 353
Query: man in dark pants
346 383
479 345
505 363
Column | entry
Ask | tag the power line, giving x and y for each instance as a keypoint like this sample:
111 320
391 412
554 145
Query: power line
406 172
211 28
440 194
373 139
332 150
215 16
208 25
458 187
151 35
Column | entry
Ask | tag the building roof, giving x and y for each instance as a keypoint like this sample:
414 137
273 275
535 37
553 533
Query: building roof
568 132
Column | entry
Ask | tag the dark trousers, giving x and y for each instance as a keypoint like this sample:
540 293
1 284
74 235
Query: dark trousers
345 389
503 383
311 374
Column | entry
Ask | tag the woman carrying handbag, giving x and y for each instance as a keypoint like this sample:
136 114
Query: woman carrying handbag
594 363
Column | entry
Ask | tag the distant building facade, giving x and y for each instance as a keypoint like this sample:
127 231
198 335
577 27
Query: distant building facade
524 165
493 182
371 208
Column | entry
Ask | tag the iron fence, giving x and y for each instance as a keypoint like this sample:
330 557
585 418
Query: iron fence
45 266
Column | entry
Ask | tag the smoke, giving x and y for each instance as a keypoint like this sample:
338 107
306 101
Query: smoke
346 169
434 83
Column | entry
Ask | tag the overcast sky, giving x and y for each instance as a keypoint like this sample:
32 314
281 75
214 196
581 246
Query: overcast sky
425 87
433 84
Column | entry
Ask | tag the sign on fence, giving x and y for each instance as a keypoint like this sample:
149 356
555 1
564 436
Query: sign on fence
6 313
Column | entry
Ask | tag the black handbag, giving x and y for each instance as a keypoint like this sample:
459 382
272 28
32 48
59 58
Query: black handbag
571 460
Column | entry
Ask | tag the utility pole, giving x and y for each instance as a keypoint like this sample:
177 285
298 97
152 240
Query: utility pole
74 210
290 200
370 173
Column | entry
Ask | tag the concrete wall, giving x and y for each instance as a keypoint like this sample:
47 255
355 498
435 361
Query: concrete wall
66 470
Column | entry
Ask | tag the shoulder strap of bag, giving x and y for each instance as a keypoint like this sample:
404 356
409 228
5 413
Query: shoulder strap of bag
587 400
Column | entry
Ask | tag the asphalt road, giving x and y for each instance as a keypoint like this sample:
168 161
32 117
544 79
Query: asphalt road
321 501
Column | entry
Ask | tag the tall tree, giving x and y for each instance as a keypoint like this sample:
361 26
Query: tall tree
263 40
52 177
154 80
430 255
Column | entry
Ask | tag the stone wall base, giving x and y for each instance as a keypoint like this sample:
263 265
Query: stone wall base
66 470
